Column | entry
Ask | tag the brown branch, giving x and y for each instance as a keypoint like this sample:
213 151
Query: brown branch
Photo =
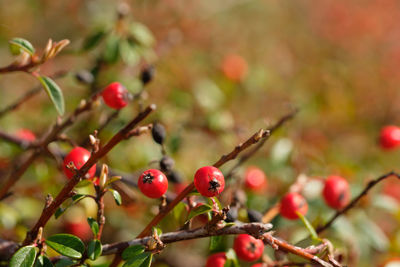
354 202
28 95
261 134
64 194
41 144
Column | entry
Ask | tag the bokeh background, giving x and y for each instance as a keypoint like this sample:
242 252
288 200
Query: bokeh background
223 70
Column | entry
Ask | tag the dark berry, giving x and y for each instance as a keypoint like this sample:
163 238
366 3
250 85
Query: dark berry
292 203
209 181
84 76
167 164
153 183
216 260
247 247
115 95
390 137
175 177
254 216
336 192
147 74
158 132
78 157
232 214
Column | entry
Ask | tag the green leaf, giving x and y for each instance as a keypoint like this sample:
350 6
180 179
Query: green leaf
147 261
59 212
117 196
54 93
93 225
179 213
93 40
24 257
309 227
138 260
67 245
216 242
231 259
43 261
112 180
94 249
132 251
211 201
111 51
129 53
199 210
64 263
78 197
18 44
142 34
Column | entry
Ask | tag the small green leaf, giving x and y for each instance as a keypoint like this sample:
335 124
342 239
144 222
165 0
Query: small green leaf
54 92
111 51
64 263
179 213
43 261
132 251
142 34
309 227
78 197
216 242
67 245
113 179
94 249
147 261
211 201
116 195
59 212
199 210
93 40
129 53
138 260
18 44
93 225
24 257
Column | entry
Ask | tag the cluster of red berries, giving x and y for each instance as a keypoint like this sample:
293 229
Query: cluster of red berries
336 194
246 247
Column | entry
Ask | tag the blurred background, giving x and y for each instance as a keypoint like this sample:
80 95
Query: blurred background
223 69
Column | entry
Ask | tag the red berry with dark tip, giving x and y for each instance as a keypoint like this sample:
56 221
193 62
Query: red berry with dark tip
153 183
254 179
216 260
26 135
115 95
247 247
292 203
209 181
78 156
390 137
336 192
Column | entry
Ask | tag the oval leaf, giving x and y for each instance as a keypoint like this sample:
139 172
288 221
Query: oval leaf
18 44
132 251
199 210
94 249
93 225
43 261
24 257
138 260
111 51
67 245
117 196
54 93
93 40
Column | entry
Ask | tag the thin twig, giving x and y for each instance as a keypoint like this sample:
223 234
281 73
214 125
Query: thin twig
354 202
48 212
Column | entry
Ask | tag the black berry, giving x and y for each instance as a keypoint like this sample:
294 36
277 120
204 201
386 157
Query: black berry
254 216
232 214
158 132
167 164
175 177
84 76
147 75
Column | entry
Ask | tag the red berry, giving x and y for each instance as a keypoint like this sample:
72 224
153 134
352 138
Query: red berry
247 247
336 192
258 265
292 203
153 183
209 181
390 137
80 229
254 178
216 260
78 156
115 95
234 67
26 135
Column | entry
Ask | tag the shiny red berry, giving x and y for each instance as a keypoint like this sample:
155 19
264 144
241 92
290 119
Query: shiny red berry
336 192
209 181
115 95
390 137
78 156
216 260
255 179
153 183
258 265
79 228
247 247
26 135
292 203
